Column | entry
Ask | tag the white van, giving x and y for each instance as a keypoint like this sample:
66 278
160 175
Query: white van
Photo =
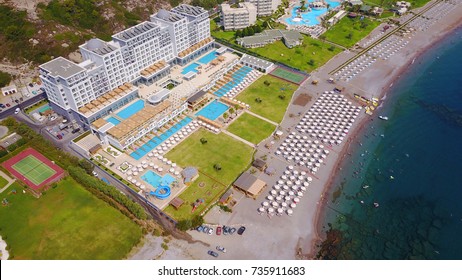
17 110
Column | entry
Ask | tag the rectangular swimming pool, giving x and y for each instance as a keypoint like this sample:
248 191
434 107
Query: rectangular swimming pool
190 68
157 140
131 110
208 57
113 120
213 110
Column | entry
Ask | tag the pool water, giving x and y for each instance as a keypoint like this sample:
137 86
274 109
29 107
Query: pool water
113 120
310 18
131 110
237 77
157 140
213 110
44 108
208 57
155 180
190 68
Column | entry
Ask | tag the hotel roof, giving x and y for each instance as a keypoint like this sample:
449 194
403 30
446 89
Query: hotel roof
134 31
189 10
168 16
256 61
62 67
99 46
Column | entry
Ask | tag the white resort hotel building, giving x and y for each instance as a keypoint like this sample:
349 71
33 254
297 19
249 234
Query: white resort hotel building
131 86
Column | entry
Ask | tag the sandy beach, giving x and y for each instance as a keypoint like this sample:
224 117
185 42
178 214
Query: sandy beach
296 236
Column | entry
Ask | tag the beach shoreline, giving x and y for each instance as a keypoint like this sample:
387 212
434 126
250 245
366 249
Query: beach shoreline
387 88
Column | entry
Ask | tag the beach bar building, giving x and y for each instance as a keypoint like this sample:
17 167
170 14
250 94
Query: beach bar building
250 185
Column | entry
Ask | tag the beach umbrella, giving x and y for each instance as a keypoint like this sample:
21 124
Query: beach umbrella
277 187
151 164
274 204
305 184
261 209
140 169
270 197
171 170
293 205
300 194
284 204
160 169
309 179
287 198
135 173
134 181
303 189
290 212
139 166
138 184
296 200
280 210
265 203
129 178
284 177
143 162
270 210
129 172
291 193
278 198
280 182
291 167
273 192
142 187
177 173
281 193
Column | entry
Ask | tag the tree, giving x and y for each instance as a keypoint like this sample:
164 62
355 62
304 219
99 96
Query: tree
258 28
204 140
311 62
266 83
225 115
184 225
5 79
217 166
250 31
331 48
231 110
238 33
349 36
86 165
245 32
258 100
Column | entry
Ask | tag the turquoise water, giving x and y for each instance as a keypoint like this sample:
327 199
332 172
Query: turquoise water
208 57
411 164
310 18
113 120
44 108
190 68
237 77
131 109
213 110
157 140
155 180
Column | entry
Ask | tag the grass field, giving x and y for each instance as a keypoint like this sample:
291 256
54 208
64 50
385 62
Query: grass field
33 169
349 31
251 128
288 75
209 191
67 222
390 3
233 155
219 33
271 106
307 57
3 182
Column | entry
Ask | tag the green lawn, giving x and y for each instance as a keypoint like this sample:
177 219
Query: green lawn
232 155
391 3
340 33
209 190
3 182
251 128
219 33
271 106
310 55
67 222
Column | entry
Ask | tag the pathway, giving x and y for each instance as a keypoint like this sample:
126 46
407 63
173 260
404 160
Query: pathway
239 138
262 118
10 180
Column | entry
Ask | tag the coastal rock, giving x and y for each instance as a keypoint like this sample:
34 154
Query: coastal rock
65 45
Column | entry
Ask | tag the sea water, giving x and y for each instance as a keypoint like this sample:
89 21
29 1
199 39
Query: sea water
411 165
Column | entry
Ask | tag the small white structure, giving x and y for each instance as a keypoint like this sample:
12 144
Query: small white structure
9 90
338 16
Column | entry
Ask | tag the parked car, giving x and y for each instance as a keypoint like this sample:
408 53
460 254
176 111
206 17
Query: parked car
200 228
94 173
105 180
221 249
232 230
8 105
206 229
210 231
225 230
31 84
59 136
218 230
241 230
2 105
17 110
212 253
75 130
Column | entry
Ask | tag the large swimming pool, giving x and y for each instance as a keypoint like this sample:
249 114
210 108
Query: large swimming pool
131 109
190 68
157 140
213 110
208 57
309 18
155 180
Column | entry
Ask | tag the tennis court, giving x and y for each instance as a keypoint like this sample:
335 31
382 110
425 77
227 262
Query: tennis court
290 76
33 169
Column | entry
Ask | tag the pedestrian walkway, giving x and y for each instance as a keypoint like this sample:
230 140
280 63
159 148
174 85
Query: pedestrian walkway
262 118
239 138
10 180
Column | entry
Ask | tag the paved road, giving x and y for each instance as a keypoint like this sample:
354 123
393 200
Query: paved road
10 111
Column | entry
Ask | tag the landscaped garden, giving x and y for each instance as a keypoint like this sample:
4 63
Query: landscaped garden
349 31
66 222
251 128
310 55
268 97
101 159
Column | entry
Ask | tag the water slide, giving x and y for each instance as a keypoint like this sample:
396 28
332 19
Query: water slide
161 192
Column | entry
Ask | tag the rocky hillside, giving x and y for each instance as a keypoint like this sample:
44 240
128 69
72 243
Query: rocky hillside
34 31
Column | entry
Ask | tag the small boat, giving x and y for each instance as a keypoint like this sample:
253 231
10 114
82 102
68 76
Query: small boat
365 187
385 118
392 178
376 205
362 201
